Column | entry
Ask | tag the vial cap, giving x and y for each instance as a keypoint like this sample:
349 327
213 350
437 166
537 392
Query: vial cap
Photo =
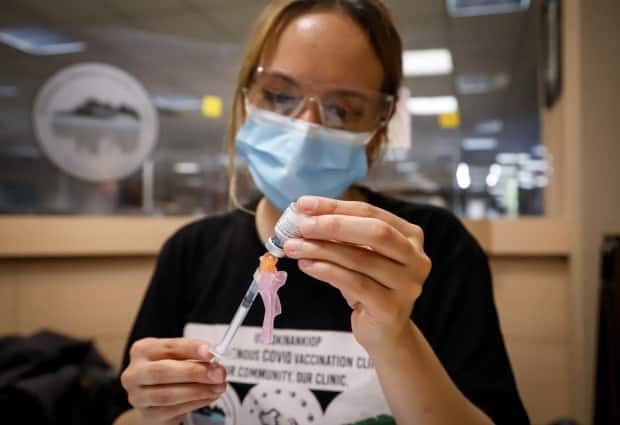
273 249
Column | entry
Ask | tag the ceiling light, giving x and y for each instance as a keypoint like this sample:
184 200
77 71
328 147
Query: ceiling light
39 41
187 168
419 63
506 158
479 143
463 178
432 105
495 171
177 103
490 127
481 83
460 8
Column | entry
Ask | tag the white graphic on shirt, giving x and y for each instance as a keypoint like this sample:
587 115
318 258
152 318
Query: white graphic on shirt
295 405
285 372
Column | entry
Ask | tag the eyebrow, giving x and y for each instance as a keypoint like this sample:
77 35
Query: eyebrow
282 76
348 93
337 92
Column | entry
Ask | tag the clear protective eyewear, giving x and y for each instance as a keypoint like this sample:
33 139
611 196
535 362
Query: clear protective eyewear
338 107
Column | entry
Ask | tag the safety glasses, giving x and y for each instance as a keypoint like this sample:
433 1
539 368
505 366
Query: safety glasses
338 107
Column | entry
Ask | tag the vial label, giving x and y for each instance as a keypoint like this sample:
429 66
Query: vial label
288 225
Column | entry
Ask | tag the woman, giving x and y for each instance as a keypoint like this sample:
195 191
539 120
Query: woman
368 330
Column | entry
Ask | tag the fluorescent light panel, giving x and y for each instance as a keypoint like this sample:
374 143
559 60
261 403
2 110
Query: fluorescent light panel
479 143
460 8
40 41
187 168
495 172
463 178
419 63
432 105
177 103
509 158
481 83
490 127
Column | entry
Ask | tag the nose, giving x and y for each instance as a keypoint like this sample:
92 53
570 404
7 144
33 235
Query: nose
310 111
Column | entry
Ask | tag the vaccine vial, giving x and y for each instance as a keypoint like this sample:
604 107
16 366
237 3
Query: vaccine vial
286 228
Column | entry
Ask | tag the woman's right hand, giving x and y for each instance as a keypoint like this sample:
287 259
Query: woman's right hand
167 378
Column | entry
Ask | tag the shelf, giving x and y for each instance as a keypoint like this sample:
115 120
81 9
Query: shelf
53 236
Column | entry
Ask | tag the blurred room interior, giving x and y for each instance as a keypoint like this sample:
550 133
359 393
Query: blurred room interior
510 121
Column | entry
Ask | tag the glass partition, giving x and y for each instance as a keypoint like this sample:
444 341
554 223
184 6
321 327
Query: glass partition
121 107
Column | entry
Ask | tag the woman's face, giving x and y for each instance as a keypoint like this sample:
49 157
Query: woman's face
325 47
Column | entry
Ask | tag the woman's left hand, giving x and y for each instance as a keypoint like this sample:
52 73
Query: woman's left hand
375 258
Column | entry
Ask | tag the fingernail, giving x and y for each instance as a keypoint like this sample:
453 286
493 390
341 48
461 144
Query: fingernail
219 388
293 245
305 264
215 375
204 351
307 203
307 225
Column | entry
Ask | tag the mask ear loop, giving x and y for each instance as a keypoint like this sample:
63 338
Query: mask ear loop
383 125
380 151
377 152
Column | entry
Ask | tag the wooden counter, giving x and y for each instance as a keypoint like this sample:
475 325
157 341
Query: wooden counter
52 236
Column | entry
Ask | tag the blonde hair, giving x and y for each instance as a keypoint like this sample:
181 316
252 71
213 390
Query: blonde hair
371 15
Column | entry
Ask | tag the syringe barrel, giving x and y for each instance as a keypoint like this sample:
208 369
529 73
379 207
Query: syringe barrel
250 295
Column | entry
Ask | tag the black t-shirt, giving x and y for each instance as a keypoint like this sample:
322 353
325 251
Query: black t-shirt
204 270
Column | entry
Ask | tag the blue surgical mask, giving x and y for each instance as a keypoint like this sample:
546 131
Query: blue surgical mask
288 158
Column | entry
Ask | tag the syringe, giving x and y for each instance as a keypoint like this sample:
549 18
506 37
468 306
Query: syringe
248 299
287 227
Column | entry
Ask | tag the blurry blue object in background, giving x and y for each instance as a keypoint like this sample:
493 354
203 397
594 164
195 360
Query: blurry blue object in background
40 41
457 8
